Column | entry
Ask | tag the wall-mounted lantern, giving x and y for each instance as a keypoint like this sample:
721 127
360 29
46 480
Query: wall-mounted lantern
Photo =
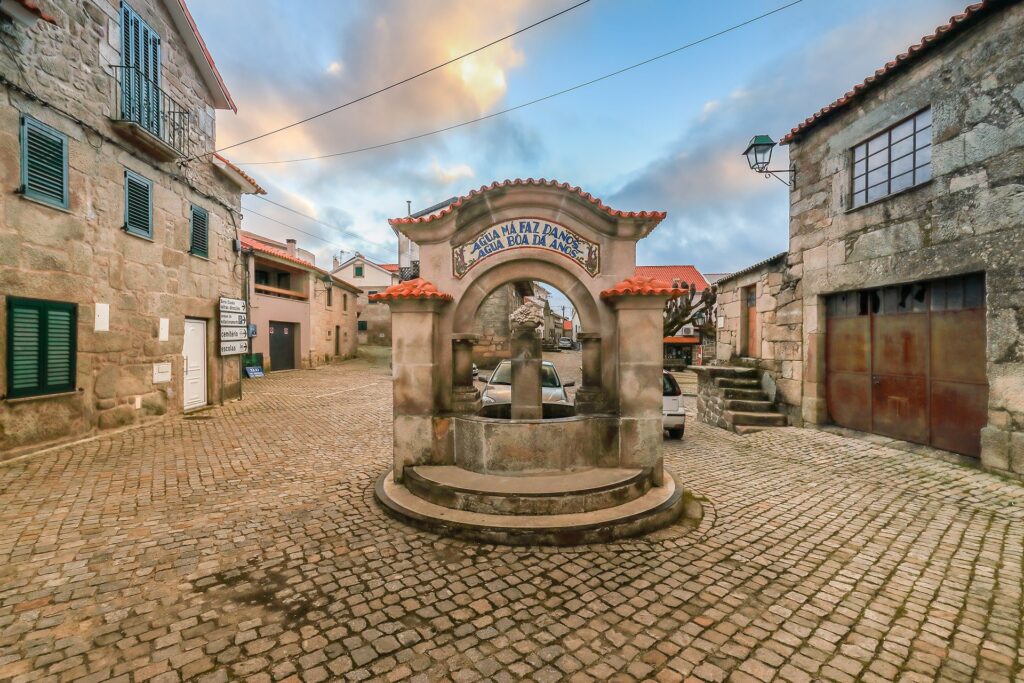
327 281
759 155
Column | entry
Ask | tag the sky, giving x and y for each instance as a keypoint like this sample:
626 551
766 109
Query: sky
666 136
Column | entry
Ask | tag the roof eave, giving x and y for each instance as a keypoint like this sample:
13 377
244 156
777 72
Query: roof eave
196 46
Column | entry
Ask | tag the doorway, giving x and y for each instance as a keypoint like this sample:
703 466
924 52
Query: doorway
337 340
282 345
752 348
909 362
194 353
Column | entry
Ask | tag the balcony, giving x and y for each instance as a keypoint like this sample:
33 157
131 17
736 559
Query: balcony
146 114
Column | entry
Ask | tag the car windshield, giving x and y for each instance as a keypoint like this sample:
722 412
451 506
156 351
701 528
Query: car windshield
548 376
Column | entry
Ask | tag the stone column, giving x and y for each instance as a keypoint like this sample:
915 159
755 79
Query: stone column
526 362
465 396
415 378
639 334
590 395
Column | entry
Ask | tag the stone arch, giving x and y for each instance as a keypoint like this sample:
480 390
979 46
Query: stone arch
502 273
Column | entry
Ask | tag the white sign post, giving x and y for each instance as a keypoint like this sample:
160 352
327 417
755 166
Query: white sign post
234 327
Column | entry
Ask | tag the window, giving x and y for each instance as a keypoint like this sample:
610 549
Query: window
359 271
371 292
41 347
140 66
262 277
361 325
138 205
199 241
44 163
894 160
284 281
344 301
330 295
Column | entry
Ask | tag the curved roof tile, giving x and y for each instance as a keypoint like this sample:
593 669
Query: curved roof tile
542 182
411 289
955 25
642 286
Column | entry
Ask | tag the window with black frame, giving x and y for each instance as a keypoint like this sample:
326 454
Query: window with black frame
892 161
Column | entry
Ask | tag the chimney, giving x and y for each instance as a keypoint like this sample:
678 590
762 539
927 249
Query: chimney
337 264
291 246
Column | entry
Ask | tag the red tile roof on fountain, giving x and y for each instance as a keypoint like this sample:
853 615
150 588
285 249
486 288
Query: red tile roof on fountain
601 206
642 286
411 289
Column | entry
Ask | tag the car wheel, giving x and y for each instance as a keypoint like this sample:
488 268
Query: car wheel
675 433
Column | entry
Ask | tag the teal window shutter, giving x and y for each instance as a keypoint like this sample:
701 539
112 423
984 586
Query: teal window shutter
44 163
361 325
140 59
41 343
199 240
138 204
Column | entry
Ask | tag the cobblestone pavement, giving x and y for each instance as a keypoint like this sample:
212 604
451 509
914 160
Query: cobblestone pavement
243 544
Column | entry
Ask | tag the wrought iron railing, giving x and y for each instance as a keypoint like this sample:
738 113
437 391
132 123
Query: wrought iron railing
143 102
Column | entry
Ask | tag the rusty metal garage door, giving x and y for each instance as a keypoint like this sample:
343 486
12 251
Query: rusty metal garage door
909 362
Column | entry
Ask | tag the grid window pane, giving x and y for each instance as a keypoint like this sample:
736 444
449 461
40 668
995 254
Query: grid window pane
902 182
878 143
878 191
903 130
902 148
894 160
901 166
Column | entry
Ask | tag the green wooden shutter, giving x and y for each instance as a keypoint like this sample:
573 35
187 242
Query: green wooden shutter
60 349
44 163
200 239
138 204
41 347
140 59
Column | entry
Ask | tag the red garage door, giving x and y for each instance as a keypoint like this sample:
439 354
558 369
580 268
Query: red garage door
909 362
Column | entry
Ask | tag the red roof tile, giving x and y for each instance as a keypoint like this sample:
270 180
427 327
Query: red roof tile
656 215
391 267
641 286
411 289
687 275
256 245
248 178
33 8
956 25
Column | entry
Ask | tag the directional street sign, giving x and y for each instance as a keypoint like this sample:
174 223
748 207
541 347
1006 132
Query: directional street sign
234 327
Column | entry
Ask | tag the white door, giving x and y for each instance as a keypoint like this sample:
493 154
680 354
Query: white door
195 363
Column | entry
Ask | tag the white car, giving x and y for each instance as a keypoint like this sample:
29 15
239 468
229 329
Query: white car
672 406
499 386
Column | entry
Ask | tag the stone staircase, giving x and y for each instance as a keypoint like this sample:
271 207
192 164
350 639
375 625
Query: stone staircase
732 398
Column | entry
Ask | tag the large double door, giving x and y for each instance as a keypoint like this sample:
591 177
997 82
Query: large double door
909 362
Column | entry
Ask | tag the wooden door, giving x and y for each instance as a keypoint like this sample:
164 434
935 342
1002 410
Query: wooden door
282 346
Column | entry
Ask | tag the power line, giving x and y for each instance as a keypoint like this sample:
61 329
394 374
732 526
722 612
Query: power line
288 225
335 228
401 82
536 101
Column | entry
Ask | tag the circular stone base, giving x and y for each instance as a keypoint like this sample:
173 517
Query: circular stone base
657 508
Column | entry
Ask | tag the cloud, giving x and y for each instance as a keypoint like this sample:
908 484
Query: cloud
449 175
723 216
335 68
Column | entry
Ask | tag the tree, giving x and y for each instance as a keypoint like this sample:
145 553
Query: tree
689 308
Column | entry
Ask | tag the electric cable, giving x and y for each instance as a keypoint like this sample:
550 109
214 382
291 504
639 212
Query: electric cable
535 101
398 83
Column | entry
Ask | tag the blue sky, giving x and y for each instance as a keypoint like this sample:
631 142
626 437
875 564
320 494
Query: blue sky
667 136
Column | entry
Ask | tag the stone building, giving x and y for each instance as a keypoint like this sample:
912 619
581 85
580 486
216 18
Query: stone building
898 306
304 316
374 325
492 323
120 237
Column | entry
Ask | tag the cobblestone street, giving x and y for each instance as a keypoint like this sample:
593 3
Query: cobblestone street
243 543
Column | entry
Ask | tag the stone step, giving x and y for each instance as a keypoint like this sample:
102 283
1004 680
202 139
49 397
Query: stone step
745 394
748 405
658 507
526 493
739 417
743 430
731 383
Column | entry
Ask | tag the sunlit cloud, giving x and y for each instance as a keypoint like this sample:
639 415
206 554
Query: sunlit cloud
335 68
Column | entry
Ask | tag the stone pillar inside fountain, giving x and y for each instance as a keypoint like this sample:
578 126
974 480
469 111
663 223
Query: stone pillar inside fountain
590 396
526 372
465 396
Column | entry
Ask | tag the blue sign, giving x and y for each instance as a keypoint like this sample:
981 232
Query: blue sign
254 372
252 330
